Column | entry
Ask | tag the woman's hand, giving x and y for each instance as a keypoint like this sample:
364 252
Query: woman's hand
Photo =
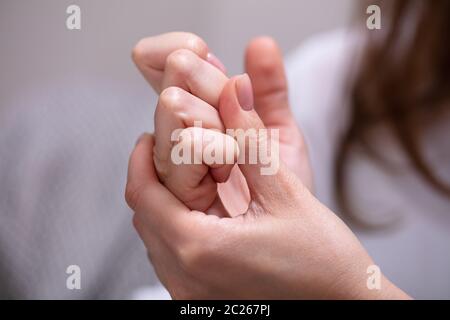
287 244
190 81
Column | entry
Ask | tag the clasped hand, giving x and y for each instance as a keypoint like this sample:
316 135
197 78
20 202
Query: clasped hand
225 230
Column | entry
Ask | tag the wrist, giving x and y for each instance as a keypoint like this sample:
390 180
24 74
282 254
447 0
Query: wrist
389 291
384 290
363 280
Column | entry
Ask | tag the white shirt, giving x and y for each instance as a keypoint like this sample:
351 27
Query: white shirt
416 254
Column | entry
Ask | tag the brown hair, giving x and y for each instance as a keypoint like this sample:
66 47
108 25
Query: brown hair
403 83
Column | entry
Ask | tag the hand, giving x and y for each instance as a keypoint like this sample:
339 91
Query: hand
182 60
287 244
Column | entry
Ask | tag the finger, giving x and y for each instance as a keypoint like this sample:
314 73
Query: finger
266 179
140 170
264 65
197 150
237 190
150 53
145 195
178 109
188 71
211 58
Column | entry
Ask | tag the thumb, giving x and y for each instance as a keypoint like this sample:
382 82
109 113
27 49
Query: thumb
264 65
259 158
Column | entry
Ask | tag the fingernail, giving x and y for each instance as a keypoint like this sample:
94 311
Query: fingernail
211 58
244 92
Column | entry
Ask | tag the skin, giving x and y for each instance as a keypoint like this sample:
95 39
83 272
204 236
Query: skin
253 236
190 80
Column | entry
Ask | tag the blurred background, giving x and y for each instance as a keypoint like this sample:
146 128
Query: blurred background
37 47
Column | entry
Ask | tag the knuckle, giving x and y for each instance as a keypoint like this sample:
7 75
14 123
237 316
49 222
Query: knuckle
197 45
190 256
171 98
181 62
